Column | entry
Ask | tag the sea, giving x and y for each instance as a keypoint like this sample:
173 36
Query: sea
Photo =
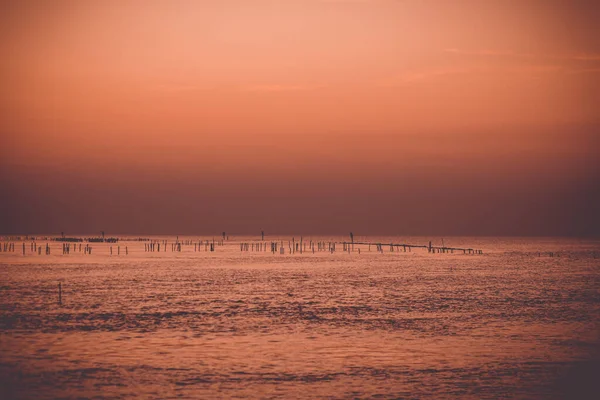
520 320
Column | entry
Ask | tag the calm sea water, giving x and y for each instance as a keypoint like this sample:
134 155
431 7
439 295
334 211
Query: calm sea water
511 323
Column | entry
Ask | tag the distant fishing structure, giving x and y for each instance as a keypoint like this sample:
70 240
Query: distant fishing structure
100 239
82 245
294 246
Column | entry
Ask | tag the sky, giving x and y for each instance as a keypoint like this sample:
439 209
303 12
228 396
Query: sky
390 117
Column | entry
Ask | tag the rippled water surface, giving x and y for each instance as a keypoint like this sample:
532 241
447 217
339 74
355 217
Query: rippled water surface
513 322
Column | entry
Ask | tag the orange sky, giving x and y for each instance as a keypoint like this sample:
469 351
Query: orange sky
479 117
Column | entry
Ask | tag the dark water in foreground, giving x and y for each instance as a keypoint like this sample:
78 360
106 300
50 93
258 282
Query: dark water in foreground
230 324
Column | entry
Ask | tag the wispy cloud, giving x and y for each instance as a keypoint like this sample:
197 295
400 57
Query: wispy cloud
177 87
191 87
423 75
279 88
532 70
501 53
586 71
485 52
515 62
587 57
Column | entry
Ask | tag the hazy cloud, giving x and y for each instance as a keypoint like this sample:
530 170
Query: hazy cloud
278 88
500 53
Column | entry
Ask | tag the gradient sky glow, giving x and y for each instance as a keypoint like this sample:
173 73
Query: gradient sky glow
412 117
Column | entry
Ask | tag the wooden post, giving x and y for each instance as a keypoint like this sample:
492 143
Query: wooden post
59 293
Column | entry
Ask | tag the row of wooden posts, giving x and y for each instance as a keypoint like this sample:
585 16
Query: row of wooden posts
87 249
35 249
119 250
7 247
177 246
293 246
